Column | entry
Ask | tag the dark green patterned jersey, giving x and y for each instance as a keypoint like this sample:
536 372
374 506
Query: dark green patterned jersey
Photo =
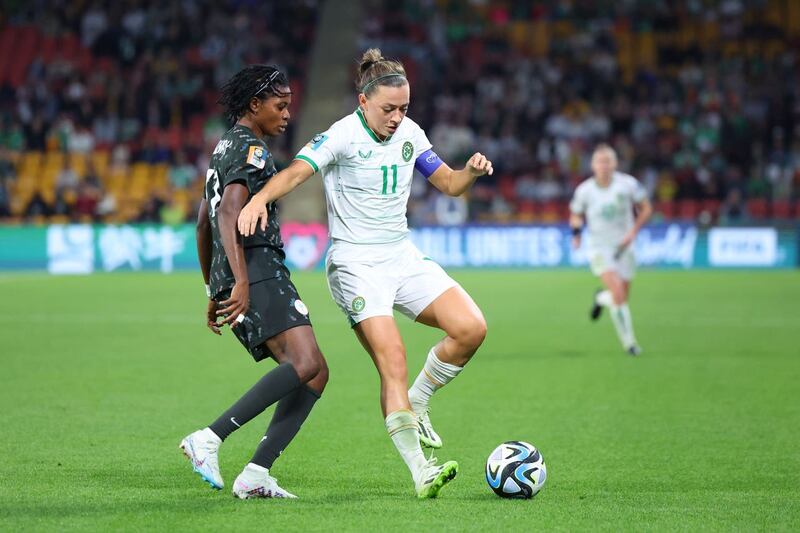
241 157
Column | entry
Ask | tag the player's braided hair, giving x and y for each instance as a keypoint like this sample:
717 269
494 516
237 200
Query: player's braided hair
253 81
374 70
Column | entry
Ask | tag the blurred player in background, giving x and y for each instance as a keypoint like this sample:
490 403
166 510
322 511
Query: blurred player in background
606 203
367 162
248 283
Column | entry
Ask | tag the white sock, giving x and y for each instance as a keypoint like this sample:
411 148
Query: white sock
402 428
435 374
604 298
623 323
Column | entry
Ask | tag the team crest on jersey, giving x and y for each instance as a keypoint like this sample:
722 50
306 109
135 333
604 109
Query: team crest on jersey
317 141
257 156
408 151
358 304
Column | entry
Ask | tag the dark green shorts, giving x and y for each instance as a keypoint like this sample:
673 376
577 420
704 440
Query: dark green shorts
275 306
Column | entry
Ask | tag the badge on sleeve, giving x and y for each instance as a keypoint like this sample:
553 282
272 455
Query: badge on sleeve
317 141
257 156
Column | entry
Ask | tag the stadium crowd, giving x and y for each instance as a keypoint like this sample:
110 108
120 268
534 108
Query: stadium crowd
107 109
700 99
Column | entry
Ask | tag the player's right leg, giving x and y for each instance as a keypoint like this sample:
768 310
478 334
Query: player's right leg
380 337
297 346
616 292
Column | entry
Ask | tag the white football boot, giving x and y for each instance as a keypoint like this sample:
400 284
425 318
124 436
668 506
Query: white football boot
430 480
201 449
255 482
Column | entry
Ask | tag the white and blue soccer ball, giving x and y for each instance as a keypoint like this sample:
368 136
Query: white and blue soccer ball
516 469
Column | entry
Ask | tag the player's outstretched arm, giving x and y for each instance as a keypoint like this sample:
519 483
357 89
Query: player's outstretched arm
203 234
456 182
278 186
234 197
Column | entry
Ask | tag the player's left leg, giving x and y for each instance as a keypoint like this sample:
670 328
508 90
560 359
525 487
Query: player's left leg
455 313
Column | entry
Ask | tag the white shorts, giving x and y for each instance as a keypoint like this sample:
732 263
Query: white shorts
369 280
603 260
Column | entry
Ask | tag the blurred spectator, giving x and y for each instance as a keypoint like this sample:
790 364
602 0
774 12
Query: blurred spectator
151 211
86 202
107 205
172 212
181 172
7 170
37 207
91 177
5 200
733 209
450 211
151 152
67 178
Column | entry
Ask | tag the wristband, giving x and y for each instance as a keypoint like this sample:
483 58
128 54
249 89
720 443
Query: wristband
576 231
208 290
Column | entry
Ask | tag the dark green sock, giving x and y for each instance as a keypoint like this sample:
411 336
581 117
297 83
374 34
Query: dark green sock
276 384
289 415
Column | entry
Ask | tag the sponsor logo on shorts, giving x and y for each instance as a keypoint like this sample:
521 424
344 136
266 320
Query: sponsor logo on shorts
358 304
408 151
301 307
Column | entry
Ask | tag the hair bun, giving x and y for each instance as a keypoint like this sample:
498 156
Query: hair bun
370 57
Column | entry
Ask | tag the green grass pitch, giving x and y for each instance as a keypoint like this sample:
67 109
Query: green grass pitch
102 376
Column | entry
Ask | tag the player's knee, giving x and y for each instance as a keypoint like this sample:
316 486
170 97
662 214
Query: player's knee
321 379
472 332
618 296
308 364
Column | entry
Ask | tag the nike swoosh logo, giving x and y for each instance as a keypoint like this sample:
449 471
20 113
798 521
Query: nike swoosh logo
234 422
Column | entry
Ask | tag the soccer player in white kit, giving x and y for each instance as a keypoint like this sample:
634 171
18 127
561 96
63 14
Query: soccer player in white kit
367 160
606 203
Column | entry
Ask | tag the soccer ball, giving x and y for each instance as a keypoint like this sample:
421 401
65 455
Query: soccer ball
516 469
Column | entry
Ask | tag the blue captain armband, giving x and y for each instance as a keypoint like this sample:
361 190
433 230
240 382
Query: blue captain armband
427 163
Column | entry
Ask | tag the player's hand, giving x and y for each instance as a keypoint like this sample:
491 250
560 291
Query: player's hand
249 216
211 317
576 242
478 165
236 305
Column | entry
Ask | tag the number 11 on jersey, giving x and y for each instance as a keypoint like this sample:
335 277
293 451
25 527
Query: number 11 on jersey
385 170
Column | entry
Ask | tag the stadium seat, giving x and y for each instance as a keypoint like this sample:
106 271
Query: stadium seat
688 209
712 207
667 209
782 209
757 208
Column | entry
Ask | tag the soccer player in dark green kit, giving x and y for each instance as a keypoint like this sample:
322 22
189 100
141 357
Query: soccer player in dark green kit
249 288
